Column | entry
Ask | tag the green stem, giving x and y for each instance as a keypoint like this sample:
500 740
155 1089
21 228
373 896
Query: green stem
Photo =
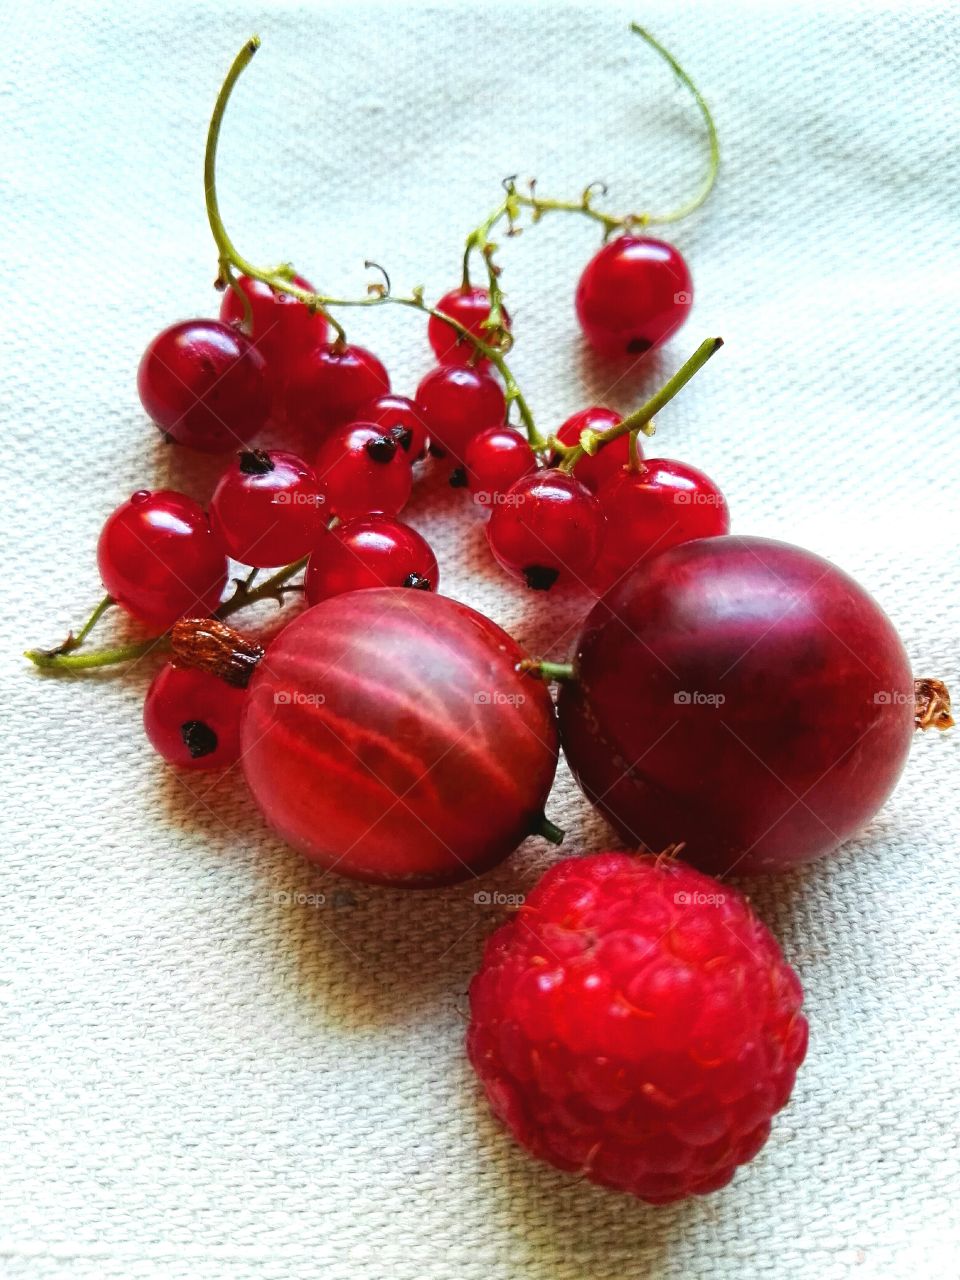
379 294
555 670
48 661
640 419
479 239
229 254
74 642
272 588
549 830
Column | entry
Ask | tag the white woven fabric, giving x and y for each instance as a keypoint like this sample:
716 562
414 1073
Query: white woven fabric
199 1082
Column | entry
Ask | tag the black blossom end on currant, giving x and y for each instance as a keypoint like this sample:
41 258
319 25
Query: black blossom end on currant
382 449
199 739
638 346
417 582
458 478
540 578
255 462
403 437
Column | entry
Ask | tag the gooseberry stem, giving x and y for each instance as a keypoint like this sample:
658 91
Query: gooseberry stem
640 419
547 670
549 830
62 659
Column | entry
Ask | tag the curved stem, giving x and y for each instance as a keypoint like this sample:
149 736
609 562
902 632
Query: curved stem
272 588
379 294
229 254
479 239
640 419
713 141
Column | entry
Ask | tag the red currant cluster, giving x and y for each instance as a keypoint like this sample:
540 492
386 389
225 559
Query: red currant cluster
580 505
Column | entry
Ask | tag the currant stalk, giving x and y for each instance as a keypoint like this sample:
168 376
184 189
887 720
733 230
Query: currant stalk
63 657
280 278
641 419
515 201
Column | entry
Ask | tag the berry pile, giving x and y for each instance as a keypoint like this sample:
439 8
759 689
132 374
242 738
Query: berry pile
636 1023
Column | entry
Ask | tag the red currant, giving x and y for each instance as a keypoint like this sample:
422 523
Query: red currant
360 470
456 405
268 509
398 414
547 527
329 384
283 328
633 295
469 307
593 470
495 460
192 718
205 385
160 559
663 504
371 551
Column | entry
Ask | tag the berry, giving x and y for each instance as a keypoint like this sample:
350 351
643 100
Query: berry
268 509
329 385
457 404
205 385
389 735
360 470
470 307
657 507
160 559
547 528
743 696
633 295
283 328
400 415
635 1023
192 718
371 551
495 460
610 459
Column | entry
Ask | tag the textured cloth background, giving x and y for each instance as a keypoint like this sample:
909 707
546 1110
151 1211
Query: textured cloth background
204 1081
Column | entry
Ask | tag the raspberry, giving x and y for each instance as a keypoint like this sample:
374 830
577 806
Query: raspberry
636 1023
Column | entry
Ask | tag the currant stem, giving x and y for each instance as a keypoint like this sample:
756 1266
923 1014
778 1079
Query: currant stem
479 239
229 255
378 294
640 419
634 460
272 588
